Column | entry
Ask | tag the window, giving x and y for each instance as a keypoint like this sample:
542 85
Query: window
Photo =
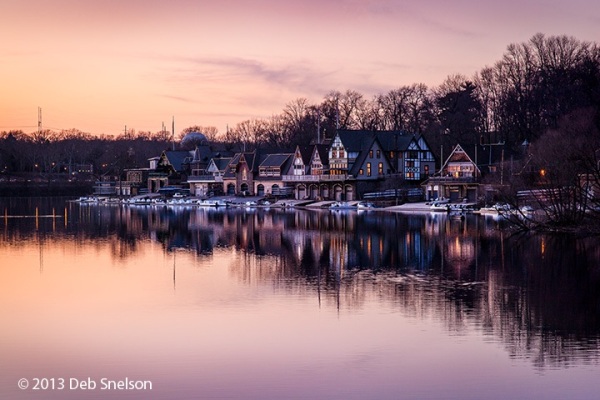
370 153
380 168
392 154
378 153
342 154
426 170
368 169
361 171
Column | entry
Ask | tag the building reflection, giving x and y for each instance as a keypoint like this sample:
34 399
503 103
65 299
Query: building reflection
538 294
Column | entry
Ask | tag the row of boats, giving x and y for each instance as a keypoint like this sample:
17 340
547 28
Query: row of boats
345 205
198 202
453 209
462 208
158 201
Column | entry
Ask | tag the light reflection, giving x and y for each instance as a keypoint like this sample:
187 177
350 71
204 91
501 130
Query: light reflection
451 271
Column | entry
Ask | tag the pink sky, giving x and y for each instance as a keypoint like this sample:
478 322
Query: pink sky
100 65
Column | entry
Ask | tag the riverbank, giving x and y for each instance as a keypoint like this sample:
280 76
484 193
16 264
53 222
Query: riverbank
44 189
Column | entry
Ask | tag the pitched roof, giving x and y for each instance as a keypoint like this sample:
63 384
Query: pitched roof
177 158
275 160
394 140
322 150
360 160
202 154
306 153
458 154
222 163
251 160
355 140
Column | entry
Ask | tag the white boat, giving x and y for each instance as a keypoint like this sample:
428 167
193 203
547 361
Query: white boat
365 206
87 199
342 205
497 208
443 207
212 203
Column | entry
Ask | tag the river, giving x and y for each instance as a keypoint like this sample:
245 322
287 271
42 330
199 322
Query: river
139 302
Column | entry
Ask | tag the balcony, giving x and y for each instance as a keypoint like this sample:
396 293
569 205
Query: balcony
300 178
448 180
316 178
336 178
205 178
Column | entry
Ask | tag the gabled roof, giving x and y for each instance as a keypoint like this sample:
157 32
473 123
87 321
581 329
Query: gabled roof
459 155
221 163
251 160
322 151
177 158
395 140
363 155
421 138
306 153
355 141
202 154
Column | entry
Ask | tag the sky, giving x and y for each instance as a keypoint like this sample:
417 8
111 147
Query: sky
101 66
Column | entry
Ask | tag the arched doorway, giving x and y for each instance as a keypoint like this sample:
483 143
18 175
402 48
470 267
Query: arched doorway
301 194
314 191
260 190
349 193
244 188
230 189
324 192
275 190
337 193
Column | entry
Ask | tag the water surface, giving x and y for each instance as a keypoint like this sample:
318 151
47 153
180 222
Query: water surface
271 304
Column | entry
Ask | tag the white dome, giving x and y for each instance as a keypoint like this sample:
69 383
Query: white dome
195 138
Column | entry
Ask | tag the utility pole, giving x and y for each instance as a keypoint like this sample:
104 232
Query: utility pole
318 127
173 133
502 169
39 120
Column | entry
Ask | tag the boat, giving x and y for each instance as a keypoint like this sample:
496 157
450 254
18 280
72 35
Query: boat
497 208
439 207
87 199
365 206
213 203
457 214
342 205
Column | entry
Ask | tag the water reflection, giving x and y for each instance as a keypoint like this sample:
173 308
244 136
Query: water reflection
537 295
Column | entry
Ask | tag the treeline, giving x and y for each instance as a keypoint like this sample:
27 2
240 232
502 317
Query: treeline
518 99
51 152
531 90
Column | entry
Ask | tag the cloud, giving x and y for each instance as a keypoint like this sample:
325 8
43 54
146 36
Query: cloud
300 77
178 98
